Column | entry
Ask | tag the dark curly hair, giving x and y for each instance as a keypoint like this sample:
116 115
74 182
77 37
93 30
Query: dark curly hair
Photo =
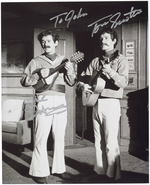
112 33
55 35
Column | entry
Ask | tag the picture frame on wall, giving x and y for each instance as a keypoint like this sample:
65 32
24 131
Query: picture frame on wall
129 45
129 50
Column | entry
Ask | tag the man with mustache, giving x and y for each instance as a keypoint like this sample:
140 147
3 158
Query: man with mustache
112 68
54 99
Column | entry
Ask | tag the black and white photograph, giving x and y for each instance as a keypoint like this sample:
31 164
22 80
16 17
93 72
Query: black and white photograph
74 92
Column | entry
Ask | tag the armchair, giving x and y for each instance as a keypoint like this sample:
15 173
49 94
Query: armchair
16 129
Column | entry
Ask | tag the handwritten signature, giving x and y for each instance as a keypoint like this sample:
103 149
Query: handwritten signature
69 16
47 111
114 19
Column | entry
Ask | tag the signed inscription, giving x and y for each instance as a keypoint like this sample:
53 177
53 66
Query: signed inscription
47 111
115 20
68 17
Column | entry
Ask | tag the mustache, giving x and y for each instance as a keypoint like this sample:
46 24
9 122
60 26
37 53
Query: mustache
46 47
101 44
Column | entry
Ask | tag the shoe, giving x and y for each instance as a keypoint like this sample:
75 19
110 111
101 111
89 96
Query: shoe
41 180
94 178
100 178
64 176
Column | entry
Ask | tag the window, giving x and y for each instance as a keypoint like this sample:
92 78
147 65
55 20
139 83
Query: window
13 57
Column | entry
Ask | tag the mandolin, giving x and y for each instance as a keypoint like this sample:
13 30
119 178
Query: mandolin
47 83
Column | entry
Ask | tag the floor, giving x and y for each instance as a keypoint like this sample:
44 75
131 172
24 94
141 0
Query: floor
79 164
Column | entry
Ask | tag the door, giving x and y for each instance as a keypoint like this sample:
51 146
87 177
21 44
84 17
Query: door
66 47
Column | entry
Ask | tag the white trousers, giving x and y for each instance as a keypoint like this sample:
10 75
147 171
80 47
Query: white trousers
106 115
52 113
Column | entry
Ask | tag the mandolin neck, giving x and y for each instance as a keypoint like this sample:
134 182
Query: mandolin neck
60 66
106 61
98 74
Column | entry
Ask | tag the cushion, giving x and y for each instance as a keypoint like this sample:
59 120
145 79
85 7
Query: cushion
6 127
12 110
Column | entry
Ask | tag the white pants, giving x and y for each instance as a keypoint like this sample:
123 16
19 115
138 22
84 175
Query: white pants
53 114
106 115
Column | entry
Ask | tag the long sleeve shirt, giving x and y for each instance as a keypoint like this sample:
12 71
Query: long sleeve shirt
114 83
43 62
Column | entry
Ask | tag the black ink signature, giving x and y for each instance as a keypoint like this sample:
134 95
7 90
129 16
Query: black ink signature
69 16
47 111
114 20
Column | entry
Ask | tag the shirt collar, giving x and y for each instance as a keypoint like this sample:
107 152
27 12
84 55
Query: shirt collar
58 58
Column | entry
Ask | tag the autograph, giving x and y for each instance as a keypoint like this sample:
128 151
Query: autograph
69 16
114 19
47 111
